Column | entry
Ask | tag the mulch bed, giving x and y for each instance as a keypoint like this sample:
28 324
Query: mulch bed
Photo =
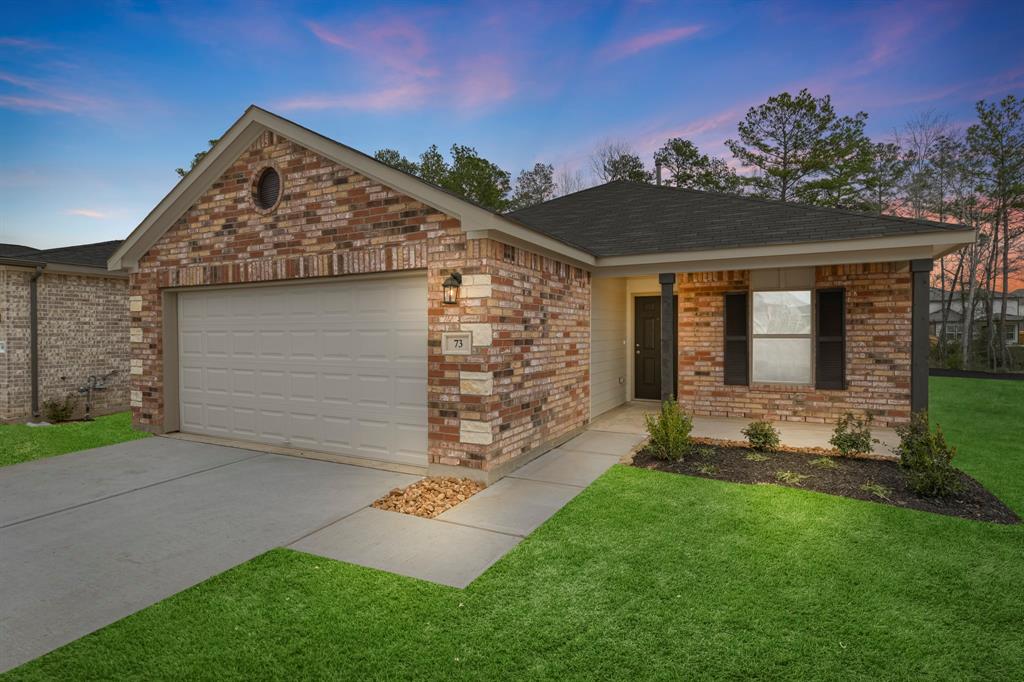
885 480
430 497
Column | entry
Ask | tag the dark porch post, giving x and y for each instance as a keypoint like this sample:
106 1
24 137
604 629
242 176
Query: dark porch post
668 335
920 272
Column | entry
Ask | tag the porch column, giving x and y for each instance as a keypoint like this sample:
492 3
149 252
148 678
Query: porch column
920 272
668 334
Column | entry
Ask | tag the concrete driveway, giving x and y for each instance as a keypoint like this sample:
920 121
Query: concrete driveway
90 537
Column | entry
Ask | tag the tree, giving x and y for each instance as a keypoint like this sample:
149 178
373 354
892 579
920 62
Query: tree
477 179
616 161
688 167
196 159
884 179
533 186
469 175
784 139
396 159
844 163
997 141
569 181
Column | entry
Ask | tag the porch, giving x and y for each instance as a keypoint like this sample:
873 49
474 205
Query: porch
629 418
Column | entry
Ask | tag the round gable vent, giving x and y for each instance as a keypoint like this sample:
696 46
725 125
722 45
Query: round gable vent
267 190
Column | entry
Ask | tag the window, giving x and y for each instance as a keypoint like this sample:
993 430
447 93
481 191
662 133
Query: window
267 189
781 336
1011 333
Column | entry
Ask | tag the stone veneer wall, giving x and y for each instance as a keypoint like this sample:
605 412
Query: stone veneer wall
878 334
83 331
527 377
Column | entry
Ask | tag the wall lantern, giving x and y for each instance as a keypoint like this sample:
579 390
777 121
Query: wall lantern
451 288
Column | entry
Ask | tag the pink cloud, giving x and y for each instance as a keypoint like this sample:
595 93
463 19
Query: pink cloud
646 41
40 95
482 81
406 96
87 213
394 43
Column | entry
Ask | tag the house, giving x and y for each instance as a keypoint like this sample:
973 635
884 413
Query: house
63 319
294 292
955 316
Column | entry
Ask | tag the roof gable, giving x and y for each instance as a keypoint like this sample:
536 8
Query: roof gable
252 124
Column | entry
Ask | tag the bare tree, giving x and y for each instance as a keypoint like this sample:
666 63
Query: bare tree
569 180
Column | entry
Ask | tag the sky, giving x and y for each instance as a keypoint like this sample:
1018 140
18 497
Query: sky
99 103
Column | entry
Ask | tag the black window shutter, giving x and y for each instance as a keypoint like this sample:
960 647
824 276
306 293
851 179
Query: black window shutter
831 339
736 339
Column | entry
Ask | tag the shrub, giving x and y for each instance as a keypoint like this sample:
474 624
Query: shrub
669 431
57 410
926 458
791 477
878 490
825 463
852 435
762 436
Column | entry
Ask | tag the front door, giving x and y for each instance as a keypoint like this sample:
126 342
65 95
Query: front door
647 349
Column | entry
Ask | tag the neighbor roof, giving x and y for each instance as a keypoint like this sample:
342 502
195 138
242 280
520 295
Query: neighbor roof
10 250
84 255
624 218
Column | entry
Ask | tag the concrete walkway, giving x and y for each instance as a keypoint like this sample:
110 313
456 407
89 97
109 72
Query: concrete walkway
460 544
629 418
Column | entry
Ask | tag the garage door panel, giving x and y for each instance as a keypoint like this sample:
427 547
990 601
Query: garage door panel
337 367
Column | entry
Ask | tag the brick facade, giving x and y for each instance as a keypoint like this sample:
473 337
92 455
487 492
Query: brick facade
83 331
529 314
878 336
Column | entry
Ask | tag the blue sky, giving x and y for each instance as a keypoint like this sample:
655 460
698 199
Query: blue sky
99 103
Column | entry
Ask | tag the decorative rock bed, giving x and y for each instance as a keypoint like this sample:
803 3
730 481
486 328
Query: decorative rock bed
429 497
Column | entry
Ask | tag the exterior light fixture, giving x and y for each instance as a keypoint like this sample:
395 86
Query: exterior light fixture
451 288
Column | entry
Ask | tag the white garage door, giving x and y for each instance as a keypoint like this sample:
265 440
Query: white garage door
338 367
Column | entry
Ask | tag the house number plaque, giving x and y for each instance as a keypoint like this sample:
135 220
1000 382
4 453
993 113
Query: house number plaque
457 343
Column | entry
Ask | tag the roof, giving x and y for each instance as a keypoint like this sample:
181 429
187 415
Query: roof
624 218
657 228
84 255
9 250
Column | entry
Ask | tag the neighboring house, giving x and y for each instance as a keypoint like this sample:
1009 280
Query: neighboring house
63 318
292 291
955 316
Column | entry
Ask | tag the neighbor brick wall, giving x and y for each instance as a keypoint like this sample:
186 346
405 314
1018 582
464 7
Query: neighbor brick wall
83 331
878 325
332 221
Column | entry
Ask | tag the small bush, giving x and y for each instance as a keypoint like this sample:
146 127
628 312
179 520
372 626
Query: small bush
703 451
878 490
57 410
825 463
926 458
791 477
669 431
852 435
756 457
707 469
762 436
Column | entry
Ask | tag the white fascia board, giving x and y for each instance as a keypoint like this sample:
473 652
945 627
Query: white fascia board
871 250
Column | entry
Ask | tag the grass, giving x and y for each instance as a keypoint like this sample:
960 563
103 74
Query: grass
21 443
644 575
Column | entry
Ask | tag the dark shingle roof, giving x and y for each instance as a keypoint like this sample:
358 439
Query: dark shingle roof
626 218
10 250
86 255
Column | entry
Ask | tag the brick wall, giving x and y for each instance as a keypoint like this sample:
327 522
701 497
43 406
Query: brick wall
878 326
332 221
83 331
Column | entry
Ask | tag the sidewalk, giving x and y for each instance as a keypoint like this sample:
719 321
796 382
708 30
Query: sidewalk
460 544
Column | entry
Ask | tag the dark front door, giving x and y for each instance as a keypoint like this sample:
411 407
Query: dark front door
647 350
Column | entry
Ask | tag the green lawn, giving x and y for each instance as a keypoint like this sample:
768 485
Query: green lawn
20 443
644 575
